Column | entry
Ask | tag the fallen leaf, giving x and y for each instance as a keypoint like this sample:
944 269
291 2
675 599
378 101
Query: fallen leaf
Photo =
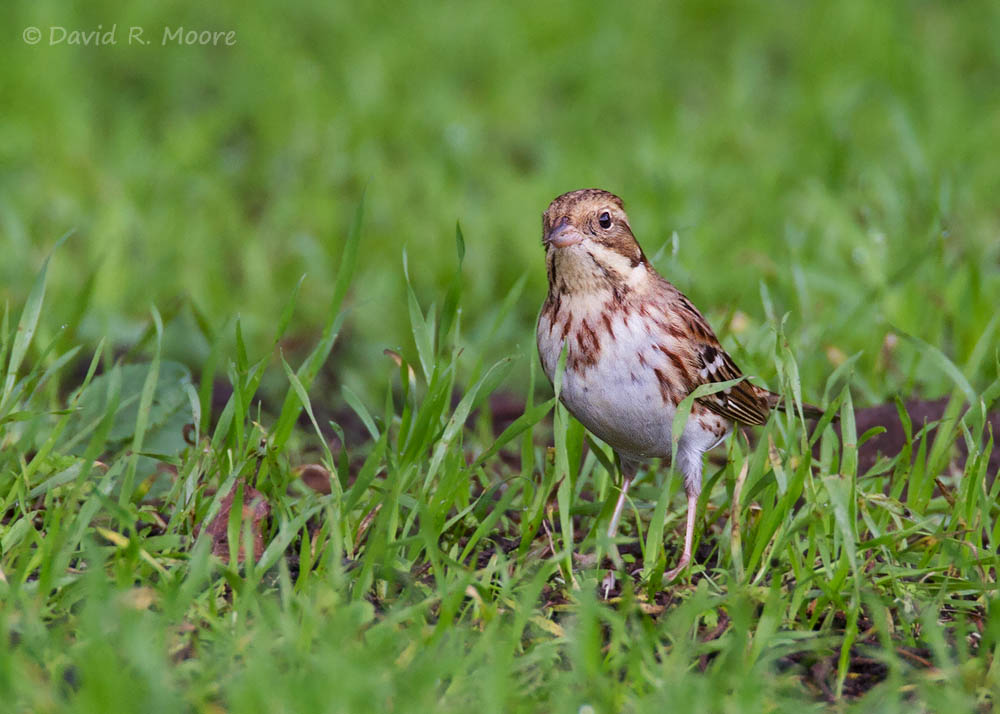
316 477
255 510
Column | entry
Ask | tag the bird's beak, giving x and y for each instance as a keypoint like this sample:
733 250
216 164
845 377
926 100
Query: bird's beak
563 236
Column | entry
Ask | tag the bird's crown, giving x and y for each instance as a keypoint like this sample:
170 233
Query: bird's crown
593 219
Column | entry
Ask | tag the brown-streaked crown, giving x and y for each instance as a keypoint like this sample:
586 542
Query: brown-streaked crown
598 216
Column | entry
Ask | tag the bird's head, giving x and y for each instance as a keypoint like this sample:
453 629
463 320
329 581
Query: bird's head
588 241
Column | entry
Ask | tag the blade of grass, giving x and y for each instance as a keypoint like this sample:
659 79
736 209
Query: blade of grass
26 326
291 407
142 418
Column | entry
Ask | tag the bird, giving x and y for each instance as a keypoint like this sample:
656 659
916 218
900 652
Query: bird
635 348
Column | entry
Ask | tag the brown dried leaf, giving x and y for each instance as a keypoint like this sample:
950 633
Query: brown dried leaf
255 510
316 477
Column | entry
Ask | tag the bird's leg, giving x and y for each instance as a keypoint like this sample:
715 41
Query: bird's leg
692 494
627 469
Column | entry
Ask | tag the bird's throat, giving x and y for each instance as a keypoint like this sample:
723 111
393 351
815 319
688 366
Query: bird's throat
592 270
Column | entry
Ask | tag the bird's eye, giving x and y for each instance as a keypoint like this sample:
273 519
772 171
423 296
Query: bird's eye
604 219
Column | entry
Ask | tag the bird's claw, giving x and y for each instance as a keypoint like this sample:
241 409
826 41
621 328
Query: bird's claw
672 574
608 584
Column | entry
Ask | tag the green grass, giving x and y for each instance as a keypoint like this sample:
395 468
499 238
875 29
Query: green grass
818 178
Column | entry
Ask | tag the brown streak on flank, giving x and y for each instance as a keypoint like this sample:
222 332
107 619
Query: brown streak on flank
678 362
665 391
549 313
546 313
709 420
592 338
642 360
606 319
675 331
616 305
567 324
590 346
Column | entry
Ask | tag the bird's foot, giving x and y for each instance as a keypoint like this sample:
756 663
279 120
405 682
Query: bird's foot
672 575
608 584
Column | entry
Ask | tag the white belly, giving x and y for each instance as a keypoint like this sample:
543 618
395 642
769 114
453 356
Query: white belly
618 397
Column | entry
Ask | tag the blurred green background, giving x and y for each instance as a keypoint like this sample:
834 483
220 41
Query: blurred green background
837 157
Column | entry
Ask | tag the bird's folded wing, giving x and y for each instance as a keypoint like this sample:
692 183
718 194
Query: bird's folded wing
743 402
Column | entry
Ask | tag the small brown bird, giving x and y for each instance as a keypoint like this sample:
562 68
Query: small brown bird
636 347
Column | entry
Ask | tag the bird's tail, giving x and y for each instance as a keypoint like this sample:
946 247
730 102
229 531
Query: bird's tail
777 401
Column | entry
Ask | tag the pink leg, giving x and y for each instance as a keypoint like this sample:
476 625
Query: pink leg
688 536
627 469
